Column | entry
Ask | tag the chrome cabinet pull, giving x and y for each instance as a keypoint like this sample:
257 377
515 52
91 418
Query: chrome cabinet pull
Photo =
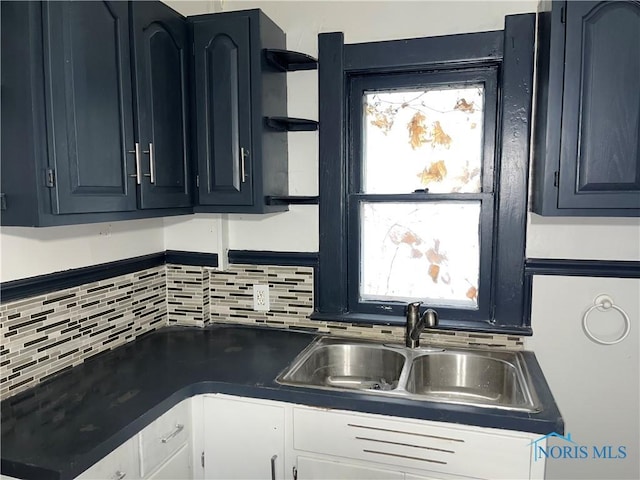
243 155
152 164
176 431
273 467
136 152
119 475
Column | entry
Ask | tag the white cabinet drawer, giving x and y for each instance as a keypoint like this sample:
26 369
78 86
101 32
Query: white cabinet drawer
165 436
413 444
322 469
176 468
122 463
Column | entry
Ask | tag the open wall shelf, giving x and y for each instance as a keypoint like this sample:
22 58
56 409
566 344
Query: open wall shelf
289 61
289 124
292 200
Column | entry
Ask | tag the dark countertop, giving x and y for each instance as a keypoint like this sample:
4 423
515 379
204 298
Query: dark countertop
60 428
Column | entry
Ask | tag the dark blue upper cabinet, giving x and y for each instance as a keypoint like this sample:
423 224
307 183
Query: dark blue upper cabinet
162 98
71 152
587 146
239 160
88 90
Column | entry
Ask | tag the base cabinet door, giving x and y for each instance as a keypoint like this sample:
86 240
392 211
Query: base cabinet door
176 468
321 469
166 438
123 462
242 440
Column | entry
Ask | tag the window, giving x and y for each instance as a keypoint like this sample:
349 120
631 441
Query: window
423 171
421 165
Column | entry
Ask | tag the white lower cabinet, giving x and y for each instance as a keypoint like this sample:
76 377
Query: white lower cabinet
257 439
220 437
423 448
160 442
178 467
161 451
243 439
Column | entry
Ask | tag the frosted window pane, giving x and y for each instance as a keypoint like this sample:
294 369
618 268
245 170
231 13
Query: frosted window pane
428 138
421 251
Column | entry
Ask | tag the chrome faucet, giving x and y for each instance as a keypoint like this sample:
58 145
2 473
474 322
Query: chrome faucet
416 323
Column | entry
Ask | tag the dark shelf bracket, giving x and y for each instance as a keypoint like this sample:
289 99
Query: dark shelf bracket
292 200
288 61
288 124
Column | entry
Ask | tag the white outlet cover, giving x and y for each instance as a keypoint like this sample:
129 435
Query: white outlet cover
261 298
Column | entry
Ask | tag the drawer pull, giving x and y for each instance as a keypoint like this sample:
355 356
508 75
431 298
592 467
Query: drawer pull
405 433
176 431
405 456
400 444
119 475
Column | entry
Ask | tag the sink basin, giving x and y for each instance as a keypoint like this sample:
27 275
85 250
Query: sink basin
349 366
492 378
466 376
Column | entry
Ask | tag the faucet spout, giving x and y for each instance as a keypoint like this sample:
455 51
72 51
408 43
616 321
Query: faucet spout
416 323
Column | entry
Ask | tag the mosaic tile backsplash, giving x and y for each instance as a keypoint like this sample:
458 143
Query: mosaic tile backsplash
291 295
187 295
46 334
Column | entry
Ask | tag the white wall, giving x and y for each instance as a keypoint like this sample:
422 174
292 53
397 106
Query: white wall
26 252
596 387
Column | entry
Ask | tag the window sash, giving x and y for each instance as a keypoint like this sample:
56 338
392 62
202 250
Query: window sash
486 76
358 85
486 229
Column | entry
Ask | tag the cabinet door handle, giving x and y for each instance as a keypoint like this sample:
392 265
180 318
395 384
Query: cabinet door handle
244 153
136 152
273 467
152 164
176 431
119 475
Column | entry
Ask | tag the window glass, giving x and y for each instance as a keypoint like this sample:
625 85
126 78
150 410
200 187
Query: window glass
427 251
423 138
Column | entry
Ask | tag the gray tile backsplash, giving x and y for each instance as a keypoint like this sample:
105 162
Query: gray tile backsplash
187 295
46 334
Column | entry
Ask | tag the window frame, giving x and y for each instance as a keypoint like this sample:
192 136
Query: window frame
357 85
511 52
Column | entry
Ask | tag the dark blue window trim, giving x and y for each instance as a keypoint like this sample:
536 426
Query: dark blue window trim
510 51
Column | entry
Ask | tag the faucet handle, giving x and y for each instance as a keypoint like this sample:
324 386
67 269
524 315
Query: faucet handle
430 318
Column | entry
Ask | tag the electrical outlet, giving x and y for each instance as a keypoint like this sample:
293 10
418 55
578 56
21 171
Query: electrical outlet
261 298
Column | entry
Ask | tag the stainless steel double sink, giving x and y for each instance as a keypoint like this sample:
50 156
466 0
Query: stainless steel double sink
467 376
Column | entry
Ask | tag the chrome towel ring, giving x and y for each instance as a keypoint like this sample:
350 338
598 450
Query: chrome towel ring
604 303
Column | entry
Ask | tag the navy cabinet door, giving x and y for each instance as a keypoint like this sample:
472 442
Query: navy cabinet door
600 141
89 108
160 42
223 110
